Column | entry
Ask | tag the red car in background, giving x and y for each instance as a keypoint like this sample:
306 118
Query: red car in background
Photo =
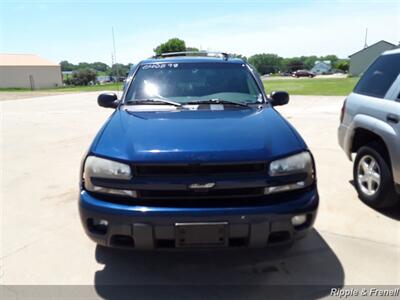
303 73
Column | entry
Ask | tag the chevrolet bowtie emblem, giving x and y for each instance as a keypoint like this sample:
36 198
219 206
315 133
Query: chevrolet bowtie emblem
207 185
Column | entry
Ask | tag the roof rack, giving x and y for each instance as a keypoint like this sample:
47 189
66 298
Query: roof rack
193 53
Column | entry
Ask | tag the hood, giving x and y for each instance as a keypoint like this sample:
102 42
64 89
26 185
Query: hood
197 136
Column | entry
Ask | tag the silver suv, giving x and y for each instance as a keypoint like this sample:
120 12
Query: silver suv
369 127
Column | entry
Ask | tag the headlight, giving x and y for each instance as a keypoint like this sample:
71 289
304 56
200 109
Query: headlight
301 163
298 163
105 168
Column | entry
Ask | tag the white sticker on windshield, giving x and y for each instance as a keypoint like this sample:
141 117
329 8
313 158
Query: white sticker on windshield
159 66
153 66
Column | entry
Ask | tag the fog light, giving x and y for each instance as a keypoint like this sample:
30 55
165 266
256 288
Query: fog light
299 220
97 226
100 222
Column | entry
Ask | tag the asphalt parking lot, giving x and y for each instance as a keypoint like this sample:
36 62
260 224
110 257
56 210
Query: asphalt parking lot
42 242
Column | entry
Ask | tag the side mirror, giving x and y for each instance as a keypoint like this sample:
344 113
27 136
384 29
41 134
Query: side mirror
109 100
279 98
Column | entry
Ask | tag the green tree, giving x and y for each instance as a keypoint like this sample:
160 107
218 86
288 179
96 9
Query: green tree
67 66
83 65
99 66
293 64
343 65
172 45
333 58
119 70
235 55
192 49
266 63
83 77
309 61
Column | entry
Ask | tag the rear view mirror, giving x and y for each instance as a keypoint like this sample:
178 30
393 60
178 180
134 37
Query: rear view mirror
279 98
109 100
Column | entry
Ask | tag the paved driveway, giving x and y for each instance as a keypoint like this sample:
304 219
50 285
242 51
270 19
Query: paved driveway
42 242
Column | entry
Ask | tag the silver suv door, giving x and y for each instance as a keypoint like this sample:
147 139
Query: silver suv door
378 96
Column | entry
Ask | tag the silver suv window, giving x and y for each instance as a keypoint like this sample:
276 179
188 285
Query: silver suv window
379 76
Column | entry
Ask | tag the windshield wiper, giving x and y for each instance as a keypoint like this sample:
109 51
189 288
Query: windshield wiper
153 101
217 101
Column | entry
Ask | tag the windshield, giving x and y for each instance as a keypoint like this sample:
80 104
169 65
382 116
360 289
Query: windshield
188 82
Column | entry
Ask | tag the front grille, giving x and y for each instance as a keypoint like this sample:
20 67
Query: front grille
191 194
204 202
165 185
199 169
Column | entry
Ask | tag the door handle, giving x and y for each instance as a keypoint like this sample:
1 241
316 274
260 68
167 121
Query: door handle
392 118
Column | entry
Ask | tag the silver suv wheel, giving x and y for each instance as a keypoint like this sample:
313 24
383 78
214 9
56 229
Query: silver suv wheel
373 177
368 175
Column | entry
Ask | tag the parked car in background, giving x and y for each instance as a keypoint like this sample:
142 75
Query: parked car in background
370 128
195 155
103 79
303 73
285 74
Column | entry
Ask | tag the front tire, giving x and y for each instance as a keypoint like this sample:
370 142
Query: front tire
373 178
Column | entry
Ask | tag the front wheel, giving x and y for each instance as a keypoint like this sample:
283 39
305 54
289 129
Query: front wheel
373 178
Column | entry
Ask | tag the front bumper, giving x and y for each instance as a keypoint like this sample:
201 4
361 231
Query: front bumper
141 227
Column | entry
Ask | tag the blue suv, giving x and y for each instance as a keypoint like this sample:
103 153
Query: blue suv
194 155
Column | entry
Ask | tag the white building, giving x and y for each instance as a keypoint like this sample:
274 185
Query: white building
322 67
360 60
28 71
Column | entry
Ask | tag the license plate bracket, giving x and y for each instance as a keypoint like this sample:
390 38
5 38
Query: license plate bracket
210 234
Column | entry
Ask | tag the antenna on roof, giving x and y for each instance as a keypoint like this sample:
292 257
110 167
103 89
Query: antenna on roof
115 54
366 36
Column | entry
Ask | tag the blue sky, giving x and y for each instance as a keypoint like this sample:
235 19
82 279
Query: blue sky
81 30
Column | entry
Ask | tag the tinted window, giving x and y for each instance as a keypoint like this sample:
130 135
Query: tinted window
379 76
184 82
